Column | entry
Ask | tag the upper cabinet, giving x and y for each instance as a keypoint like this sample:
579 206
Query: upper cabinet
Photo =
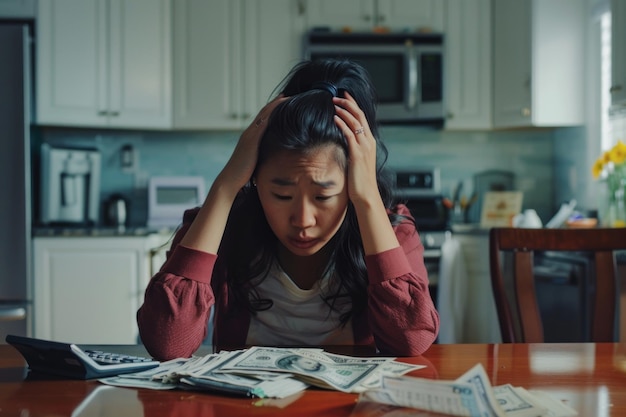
19 9
468 64
364 15
161 64
104 63
229 57
618 55
538 63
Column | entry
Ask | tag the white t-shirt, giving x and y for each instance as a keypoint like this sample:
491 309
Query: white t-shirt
297 316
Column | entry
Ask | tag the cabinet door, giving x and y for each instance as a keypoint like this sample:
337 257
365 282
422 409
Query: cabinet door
104 63
86 289
512 65
357 15
411 15
229 57
481 323
139 93
539 63
272 46
468 75
618 55
208 76
18 8
71 63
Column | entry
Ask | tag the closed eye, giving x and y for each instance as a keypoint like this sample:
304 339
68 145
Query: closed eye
323 197
282 197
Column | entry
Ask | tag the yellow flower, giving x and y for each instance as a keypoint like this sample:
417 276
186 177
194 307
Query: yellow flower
618 153
597 168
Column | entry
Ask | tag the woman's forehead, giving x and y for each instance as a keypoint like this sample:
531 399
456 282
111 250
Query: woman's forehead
322 155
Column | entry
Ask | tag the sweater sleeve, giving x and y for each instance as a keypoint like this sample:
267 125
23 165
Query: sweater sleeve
402 315
177 302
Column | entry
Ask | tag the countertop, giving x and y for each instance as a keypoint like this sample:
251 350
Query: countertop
104 231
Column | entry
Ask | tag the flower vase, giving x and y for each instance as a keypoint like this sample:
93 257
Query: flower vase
615 211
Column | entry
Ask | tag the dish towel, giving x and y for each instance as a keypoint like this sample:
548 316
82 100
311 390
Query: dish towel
452 300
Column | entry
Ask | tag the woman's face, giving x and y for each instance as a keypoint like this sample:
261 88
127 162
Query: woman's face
304 197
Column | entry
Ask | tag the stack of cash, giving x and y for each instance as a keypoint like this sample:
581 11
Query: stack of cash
266 372
469 395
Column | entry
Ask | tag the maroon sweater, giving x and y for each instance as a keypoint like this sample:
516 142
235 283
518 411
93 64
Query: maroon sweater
400 318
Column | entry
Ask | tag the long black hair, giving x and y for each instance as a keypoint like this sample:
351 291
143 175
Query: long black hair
304 122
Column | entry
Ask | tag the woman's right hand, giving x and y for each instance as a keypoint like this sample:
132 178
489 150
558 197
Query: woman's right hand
240 167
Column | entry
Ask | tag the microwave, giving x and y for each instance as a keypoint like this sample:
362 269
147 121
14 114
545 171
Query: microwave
169 197
407 70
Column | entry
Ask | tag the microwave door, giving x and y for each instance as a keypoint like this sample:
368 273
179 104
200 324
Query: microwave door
412 80
430 82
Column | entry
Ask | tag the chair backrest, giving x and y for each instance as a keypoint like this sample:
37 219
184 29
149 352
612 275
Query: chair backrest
524 324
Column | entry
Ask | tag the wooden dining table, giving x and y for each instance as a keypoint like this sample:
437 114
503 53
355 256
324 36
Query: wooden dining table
589 377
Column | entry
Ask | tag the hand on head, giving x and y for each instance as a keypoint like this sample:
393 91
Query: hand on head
361 148
240 166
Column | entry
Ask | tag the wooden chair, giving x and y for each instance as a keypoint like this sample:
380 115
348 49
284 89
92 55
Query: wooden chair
522 322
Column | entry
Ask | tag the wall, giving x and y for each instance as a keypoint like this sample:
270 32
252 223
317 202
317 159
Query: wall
529 154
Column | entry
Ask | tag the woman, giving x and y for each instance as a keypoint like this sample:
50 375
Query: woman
297 242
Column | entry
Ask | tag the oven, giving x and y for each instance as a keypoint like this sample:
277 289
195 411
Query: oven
420 190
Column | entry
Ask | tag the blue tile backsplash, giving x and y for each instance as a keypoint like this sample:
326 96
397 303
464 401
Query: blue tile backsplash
550 165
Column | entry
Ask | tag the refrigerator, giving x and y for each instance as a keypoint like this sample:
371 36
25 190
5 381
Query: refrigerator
15 178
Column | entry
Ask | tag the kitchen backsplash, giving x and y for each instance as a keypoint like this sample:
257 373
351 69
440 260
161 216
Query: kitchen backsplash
548 164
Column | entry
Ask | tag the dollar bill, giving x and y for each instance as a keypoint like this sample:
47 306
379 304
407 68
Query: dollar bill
517 402
326 374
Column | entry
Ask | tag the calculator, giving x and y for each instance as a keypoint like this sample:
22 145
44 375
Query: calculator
69 360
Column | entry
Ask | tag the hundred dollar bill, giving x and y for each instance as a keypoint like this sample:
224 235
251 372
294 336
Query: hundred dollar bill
488 404
470 395
517 402
341 376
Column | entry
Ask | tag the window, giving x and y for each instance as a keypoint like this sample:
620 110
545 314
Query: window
606 131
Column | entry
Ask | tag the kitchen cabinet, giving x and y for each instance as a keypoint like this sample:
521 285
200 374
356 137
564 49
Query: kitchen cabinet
364 15
468 64
538 63
184 64
229 56
481 320
18 9
104 63
618 55
88 289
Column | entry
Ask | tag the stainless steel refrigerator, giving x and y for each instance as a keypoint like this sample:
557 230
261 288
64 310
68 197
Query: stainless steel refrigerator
15 179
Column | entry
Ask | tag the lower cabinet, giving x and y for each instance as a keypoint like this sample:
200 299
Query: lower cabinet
481 321
88 289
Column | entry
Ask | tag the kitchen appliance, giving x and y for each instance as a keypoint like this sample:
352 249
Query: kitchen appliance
70 185
169 197
407 70
15 179
420 190
116 211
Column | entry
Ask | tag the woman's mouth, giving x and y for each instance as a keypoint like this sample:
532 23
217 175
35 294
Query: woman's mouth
303 243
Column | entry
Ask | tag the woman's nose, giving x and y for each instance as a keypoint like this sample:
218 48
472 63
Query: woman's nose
303 214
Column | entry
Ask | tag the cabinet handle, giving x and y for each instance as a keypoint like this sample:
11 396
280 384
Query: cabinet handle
114 113
615 89
367 17
233 116
102 113
526 112
301 8
450 115
381 18
12 313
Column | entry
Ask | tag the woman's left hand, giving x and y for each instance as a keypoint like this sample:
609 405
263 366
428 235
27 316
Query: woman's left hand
361 148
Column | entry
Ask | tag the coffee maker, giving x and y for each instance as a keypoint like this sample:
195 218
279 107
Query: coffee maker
70 186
